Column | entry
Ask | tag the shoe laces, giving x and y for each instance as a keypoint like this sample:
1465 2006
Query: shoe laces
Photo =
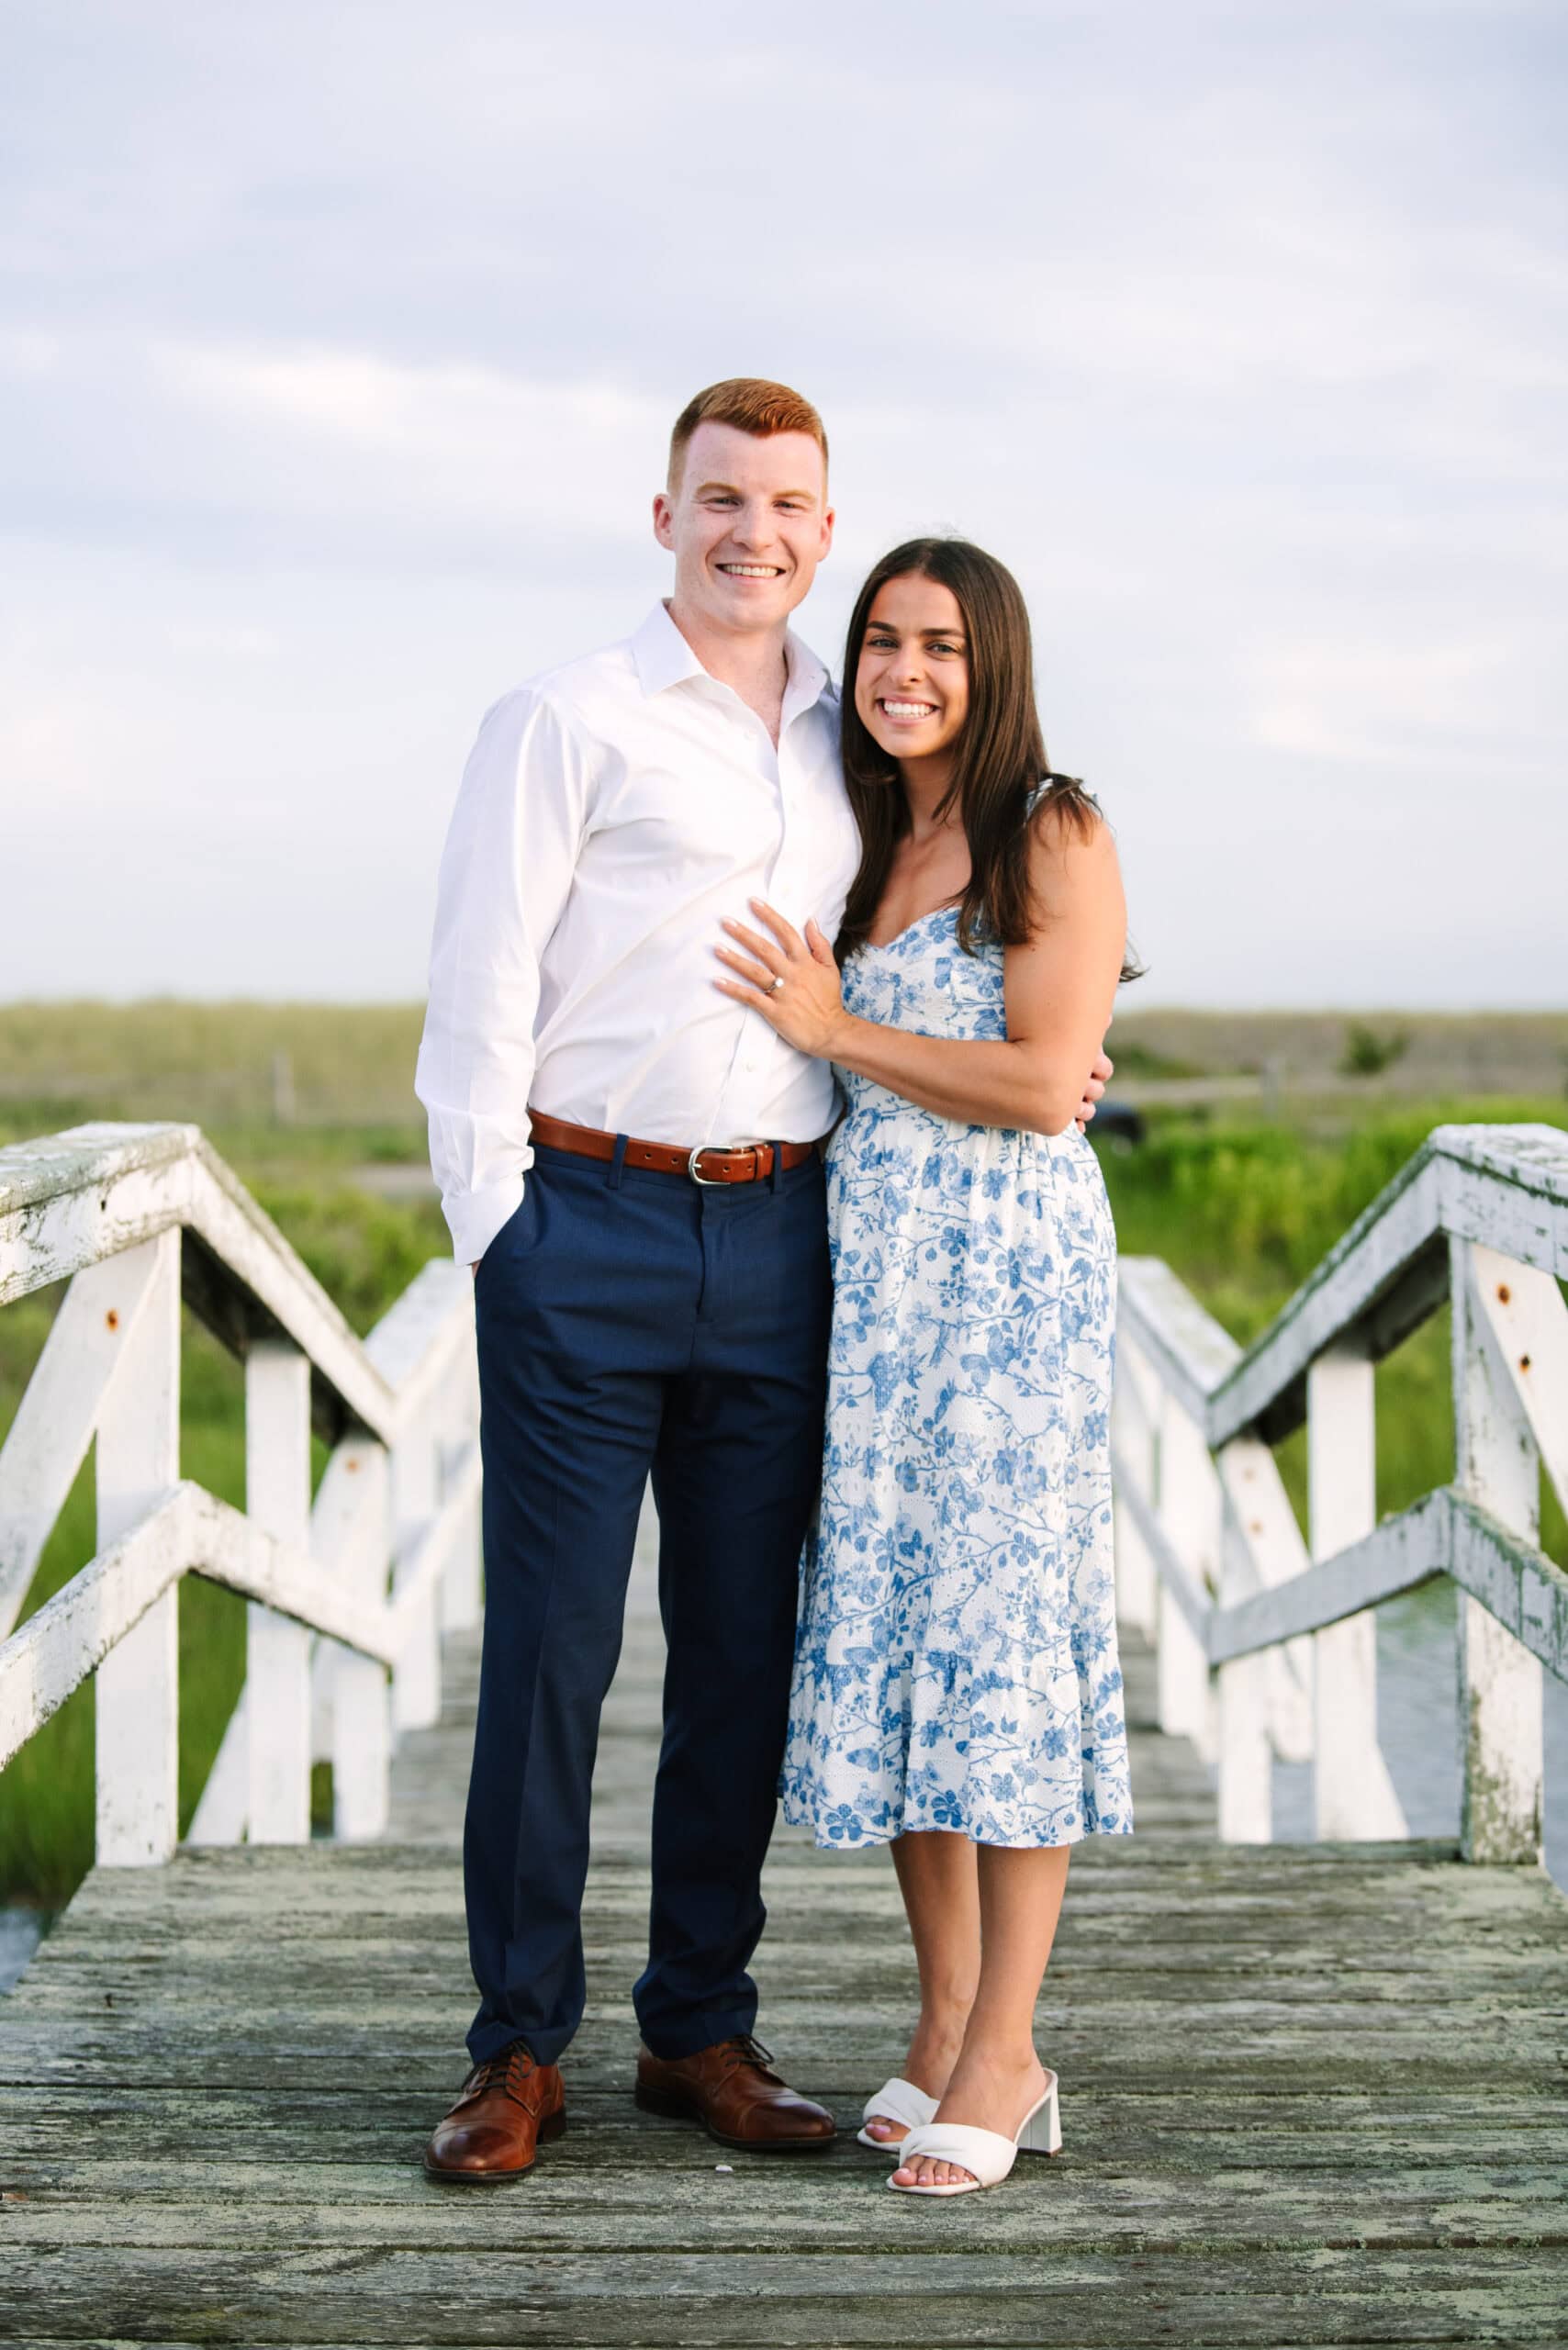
744 2049
509 2071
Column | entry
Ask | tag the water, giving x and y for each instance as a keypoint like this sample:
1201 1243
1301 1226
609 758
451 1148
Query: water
20 1934
1417 1709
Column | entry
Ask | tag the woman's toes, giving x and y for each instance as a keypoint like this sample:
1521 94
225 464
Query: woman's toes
888 2133
926 2172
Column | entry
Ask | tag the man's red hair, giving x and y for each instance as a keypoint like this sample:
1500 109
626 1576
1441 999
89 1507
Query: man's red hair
752 405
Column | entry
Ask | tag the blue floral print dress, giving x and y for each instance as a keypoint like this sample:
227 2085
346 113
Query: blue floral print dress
955 1665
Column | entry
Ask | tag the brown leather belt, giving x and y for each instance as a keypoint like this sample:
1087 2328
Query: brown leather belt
742 1163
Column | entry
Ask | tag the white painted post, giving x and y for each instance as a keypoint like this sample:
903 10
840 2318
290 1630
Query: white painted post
277 1655
1246 1751
1263 1548
416 1677
323 1679
354 1542
138 1684
462 1580
1133 1441
1498 1463
361 1715
1190 1514
1353 1795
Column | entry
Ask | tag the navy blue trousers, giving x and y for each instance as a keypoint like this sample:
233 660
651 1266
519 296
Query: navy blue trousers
630 1321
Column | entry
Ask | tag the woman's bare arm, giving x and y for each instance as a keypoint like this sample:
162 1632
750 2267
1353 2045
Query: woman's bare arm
1059 990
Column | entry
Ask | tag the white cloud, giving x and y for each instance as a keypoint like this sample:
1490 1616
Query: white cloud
381 405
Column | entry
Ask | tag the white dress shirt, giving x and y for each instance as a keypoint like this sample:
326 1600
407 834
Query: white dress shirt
612 812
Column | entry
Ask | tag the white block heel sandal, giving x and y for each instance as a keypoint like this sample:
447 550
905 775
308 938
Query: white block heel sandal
986 2153
896 2100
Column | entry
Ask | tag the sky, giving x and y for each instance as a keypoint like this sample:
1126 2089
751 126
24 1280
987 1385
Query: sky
339 344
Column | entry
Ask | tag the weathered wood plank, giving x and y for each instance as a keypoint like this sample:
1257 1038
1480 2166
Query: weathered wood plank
91 2122
697 2207
1444 1533
1107 1945
1337 2295
821 2056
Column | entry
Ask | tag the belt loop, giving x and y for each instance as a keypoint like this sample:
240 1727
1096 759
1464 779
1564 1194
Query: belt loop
777 1168
618 1162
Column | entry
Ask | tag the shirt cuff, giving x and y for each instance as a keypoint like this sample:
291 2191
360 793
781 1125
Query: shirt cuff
476 1217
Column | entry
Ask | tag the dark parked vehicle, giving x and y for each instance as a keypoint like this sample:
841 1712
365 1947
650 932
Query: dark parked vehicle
1118 1124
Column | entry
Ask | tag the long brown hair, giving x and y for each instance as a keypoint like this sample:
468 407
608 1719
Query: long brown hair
998 759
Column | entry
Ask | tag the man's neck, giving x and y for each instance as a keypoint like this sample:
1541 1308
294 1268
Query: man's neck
755 668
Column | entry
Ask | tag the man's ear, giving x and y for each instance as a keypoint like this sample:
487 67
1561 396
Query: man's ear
829 519
664 520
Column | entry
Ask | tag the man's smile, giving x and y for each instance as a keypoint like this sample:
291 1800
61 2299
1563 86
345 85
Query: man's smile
752 570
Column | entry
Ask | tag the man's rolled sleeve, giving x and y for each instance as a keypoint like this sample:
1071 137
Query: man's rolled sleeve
504 875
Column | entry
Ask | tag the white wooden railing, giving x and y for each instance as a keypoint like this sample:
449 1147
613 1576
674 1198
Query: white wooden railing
1265 1640
350 1592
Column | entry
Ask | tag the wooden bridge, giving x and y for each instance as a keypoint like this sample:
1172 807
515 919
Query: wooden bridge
1312 2093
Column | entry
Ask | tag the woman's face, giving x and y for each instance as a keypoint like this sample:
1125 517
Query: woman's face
911 684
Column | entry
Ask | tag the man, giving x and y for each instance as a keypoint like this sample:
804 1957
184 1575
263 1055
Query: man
627 1159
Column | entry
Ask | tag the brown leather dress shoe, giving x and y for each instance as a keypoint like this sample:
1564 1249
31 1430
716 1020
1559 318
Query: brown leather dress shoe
506 2109
732 2089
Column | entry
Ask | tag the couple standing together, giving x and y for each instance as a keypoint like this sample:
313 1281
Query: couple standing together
892 1357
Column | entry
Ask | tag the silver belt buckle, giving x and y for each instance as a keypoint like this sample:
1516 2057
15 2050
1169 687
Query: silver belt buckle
713 1182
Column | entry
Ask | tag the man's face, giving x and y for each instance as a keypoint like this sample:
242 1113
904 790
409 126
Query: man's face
747 522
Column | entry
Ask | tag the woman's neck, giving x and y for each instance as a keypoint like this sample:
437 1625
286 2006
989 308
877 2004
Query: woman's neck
926 781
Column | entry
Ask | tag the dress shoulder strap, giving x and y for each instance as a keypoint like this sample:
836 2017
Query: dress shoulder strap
1072 792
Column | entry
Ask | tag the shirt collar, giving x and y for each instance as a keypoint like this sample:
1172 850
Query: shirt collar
663 657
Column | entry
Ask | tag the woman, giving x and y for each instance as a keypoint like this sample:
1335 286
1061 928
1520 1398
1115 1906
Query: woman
957 1691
